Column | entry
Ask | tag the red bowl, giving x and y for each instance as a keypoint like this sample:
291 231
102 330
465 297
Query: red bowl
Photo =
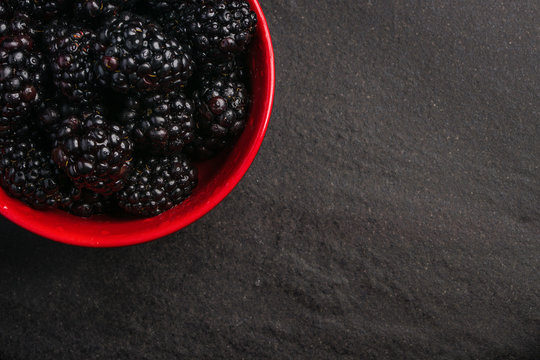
216 177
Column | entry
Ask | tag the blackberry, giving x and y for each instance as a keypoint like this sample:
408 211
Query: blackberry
21 80
157 184
88 203
28 174
96 10
140 57
162 124
94 154
220 116
220 29
40 9
73 56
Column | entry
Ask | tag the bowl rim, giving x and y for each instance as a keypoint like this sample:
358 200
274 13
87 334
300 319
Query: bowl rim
220 193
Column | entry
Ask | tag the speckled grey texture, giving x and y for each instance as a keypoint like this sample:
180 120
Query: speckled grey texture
393 211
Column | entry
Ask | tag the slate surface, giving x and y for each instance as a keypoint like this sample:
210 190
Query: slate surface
392 213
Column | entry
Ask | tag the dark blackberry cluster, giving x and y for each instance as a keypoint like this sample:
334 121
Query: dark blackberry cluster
94 153
221 115
28 174
73 57
139 57
160 123
220 29
157 184
104 104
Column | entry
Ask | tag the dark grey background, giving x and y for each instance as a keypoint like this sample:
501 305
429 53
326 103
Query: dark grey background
392 213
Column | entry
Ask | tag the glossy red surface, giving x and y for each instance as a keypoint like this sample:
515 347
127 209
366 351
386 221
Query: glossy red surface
217 177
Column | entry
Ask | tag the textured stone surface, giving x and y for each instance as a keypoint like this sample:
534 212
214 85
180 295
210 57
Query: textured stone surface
392 213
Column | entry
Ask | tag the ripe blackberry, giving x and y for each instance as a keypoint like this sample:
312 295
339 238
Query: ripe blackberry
88 203
157 184
220 116
73 57
96 10
94 154
140 57
21 80
40 9
28 174
220 29
161 124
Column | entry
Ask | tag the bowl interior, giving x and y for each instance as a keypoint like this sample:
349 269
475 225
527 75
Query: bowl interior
217 177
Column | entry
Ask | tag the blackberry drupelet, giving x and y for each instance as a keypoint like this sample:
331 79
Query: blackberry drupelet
96 10
28 174
157 184
21 80
95 155
220 29
73 57
220 116
140 57
161 124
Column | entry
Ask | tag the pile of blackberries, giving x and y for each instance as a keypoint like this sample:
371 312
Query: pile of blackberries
105 105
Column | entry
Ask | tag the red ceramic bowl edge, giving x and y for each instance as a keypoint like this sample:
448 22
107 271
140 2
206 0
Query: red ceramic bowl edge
36 227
